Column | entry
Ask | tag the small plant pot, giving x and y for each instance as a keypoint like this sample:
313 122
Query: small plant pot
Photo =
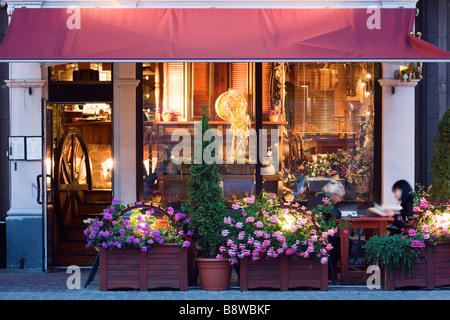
273 118
156 199
215 274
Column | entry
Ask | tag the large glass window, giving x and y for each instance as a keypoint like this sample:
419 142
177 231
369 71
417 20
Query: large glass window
329 109
317 116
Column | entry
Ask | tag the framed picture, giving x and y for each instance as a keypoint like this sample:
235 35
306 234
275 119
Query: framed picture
33 148
16 148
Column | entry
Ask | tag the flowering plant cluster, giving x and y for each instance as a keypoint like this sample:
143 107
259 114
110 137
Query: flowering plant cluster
402 250
262 228
140 230
434 221
273 112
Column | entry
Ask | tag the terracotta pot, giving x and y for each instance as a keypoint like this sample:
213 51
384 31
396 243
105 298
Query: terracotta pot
215 274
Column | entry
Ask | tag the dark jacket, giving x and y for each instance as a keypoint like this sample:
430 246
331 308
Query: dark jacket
405 212
407 208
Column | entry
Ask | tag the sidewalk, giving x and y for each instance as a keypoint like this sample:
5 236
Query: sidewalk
36 285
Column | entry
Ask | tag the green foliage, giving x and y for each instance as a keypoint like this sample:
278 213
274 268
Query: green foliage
440 164
204 202
393 252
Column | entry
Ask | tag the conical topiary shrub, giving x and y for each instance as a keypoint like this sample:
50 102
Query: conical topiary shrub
204 202
440 164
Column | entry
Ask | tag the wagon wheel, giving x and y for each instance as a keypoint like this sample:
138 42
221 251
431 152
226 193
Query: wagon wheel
72 176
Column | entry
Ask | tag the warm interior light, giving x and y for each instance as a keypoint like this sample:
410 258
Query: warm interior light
287 221
147 166
107 166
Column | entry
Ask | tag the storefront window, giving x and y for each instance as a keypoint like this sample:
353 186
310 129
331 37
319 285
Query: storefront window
329 110
317 116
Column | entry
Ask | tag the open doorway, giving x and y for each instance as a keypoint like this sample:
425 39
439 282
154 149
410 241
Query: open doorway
79 157
80 165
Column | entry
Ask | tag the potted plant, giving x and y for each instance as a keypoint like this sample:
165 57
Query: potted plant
278 247
440 164
140 250
156 196
206 209
167 115
418 256
273 115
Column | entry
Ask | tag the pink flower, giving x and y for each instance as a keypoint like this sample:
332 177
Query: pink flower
219 256
236 205
412 232
259 224
250 200
250 219
326 200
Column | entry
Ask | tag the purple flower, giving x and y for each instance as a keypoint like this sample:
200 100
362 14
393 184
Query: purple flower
190 233
107 216
170 210
115 201
178 215
144 249
139 203
186 244
122 231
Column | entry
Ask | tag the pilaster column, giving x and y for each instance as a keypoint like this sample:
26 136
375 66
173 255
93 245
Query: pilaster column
24 219
398 141
124 130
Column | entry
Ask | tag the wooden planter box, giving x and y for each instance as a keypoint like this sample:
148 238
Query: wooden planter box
282 273
433 270
162 266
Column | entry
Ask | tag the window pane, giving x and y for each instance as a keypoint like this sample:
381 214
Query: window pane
329 129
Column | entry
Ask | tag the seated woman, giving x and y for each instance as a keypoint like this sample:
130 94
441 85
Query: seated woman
336 191
402 192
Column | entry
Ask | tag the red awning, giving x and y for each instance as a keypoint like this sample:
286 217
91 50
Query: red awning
130 34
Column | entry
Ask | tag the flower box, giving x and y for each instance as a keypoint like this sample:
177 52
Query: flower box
162 266
431 271
283 273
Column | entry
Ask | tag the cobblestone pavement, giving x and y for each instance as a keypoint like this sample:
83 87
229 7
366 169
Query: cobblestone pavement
36 285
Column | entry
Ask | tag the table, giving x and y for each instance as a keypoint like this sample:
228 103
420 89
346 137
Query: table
377 223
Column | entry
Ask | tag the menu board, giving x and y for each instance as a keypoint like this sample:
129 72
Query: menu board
34 148
16 148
